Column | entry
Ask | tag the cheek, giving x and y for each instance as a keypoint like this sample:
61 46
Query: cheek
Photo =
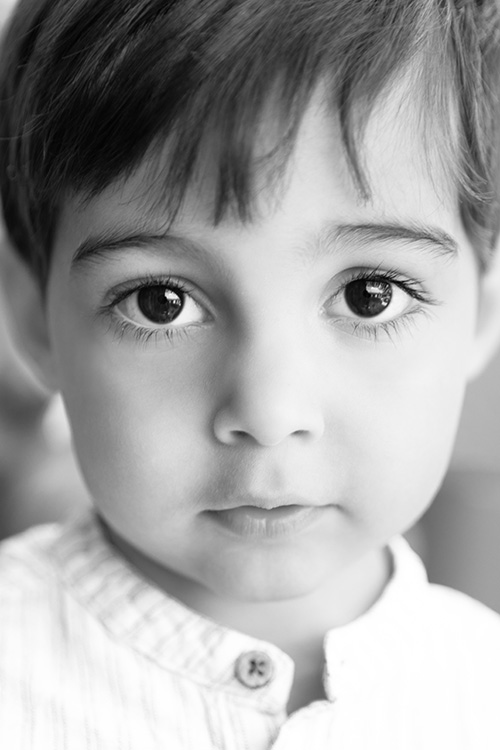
139 425
406 426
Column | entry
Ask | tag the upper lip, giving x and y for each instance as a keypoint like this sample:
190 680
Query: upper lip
267 503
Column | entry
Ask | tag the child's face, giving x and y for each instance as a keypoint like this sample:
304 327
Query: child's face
217 370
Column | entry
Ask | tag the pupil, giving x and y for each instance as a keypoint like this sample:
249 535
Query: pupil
160 304
368 298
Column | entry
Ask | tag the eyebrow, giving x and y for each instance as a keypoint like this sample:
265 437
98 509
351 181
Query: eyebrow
426 237
432 239
111 242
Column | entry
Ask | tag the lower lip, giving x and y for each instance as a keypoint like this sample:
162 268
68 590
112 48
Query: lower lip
252 522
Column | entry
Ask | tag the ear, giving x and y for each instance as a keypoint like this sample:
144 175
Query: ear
27 316
488 321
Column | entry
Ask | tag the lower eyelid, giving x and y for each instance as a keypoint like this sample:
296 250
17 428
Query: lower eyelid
124 329
363 329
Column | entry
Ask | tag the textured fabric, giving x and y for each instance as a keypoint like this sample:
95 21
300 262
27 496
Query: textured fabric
92 657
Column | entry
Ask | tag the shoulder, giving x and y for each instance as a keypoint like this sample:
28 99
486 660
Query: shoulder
461 653
449 636
32 621
26 562
436 609
449 602
462 621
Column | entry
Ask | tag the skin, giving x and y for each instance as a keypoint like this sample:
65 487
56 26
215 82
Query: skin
270 389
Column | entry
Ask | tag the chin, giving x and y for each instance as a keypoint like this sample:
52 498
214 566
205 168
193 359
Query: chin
265 583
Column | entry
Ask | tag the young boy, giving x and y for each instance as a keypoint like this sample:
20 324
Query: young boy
257 259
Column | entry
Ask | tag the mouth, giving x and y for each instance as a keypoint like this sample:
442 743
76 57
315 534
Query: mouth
278 521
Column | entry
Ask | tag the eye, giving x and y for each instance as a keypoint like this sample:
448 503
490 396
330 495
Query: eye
373 298
160 305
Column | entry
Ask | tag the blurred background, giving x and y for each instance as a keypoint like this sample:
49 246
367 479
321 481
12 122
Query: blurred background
458 538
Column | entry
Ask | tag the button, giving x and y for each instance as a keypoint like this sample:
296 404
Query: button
254 669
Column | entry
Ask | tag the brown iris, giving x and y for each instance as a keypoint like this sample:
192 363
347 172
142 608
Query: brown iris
160 304
368 297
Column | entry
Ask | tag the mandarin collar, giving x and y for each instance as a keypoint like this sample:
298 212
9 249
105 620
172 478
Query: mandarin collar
142 617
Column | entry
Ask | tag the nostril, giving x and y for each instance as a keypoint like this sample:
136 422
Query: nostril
264 437
241 435
268 422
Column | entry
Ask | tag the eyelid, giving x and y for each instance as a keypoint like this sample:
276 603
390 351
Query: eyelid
373 327
412 286
123 290
128 327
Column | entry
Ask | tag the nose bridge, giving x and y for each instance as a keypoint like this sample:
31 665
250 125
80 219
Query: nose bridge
270 389
271 371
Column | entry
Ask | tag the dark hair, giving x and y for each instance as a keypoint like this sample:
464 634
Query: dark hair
89 89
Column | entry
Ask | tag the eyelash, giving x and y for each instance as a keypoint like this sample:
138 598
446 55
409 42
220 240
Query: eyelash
412 287
144 335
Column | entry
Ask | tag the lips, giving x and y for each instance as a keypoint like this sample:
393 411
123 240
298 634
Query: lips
254 521
268 503
277 511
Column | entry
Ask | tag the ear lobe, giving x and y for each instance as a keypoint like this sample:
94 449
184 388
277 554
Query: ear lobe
488 321
27 317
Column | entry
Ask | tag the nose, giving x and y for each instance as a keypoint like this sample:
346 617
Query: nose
269 394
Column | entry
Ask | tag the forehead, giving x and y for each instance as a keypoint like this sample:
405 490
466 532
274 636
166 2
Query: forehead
407 182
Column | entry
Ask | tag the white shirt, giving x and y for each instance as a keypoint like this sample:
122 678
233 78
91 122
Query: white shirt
93 657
